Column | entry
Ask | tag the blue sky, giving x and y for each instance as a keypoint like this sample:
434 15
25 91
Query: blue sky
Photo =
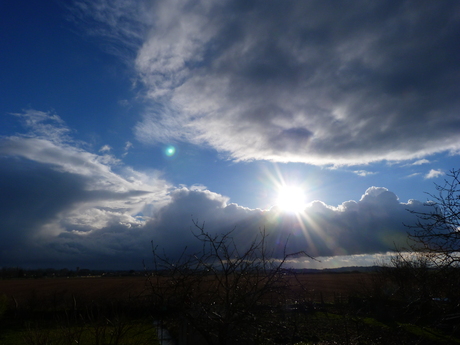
353 103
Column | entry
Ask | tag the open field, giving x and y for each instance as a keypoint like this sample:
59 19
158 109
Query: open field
329 285
97 288
325 308
83 310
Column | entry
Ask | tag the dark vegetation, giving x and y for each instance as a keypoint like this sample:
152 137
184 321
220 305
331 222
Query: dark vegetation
318 308
76 310
224 294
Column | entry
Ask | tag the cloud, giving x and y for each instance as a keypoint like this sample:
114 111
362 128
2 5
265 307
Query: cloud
434 173
105 148
53 188
294 81
421 161
128 146
373 224
59 216
65 206
363 173
121 24
44 125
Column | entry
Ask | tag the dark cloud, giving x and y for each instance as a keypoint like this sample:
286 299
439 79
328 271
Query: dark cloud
316 82
32 195
61 204
371 225
49 217
64 206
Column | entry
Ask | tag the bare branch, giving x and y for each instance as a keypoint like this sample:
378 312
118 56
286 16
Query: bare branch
221 288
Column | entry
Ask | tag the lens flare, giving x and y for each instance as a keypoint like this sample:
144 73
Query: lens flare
170 151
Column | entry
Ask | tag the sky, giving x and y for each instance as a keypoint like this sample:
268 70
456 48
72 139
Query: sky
123 121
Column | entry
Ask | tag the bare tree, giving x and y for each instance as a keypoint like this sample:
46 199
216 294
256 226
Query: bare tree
437 231
223 291
436 250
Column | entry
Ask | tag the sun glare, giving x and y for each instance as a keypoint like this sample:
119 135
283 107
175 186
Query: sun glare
291 199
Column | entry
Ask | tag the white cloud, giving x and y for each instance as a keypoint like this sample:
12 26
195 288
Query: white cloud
363 173
118 21
295 81
434 173
420 162
128 146
105 148
44 125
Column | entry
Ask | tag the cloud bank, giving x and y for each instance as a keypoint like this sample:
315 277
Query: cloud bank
65 206
294 81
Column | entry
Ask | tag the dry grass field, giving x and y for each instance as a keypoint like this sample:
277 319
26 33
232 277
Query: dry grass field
328 286
97 288
331 286
39 307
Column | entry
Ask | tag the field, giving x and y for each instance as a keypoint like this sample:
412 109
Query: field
328 285
95 288
321 308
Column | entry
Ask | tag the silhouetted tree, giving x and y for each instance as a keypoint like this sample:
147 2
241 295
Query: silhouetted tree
428 275
437 231
223 291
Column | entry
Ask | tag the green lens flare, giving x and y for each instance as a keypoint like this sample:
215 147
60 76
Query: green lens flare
170 151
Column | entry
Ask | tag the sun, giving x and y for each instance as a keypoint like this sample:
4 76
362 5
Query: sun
291 199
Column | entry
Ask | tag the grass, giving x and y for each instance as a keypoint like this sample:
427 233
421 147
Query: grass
373 322
428 333
115 311
94 333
